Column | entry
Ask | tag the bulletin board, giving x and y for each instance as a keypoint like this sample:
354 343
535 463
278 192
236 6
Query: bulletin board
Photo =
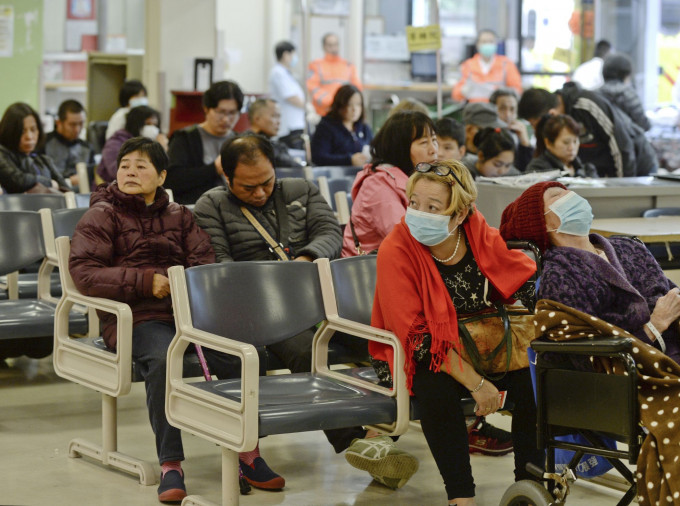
20 63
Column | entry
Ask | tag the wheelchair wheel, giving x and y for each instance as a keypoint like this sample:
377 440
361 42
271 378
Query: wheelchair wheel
527 493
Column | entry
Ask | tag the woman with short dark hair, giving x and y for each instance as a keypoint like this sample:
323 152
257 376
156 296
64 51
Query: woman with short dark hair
22 169
557 143
379 190
141 120
341 134
122 249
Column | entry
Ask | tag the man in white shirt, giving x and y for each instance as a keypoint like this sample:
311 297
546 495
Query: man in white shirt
589 73
285 89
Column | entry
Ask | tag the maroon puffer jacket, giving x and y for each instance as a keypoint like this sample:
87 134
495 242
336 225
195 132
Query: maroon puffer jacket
120 243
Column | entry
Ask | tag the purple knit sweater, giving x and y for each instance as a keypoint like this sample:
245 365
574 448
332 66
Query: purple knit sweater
622 291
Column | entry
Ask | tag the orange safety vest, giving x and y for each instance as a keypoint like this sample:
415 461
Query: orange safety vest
476 86
326 75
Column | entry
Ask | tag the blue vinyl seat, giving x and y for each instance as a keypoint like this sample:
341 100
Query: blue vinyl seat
266 302
24 285
27 325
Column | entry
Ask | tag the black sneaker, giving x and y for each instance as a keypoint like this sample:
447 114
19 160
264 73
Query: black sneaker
172 489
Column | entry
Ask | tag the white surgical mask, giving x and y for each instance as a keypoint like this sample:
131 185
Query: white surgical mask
137 101
150 132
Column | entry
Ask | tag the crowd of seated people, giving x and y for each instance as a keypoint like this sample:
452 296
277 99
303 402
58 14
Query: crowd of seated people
414 172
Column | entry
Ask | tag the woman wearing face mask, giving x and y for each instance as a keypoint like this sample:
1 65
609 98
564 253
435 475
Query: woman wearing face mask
495 153
341 135
485 72
22 169
557 143
624 284
141 121
442 260
131 94
379 191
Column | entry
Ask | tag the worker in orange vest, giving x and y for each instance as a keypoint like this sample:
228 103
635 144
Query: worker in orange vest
485 72
327 74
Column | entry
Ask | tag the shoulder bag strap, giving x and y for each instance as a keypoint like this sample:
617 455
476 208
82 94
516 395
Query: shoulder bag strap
357 244
281 215
274 246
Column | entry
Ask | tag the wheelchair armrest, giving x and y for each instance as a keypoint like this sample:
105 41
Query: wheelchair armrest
599 346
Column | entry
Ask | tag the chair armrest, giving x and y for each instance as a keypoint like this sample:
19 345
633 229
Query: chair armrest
398 391
599 346
77 359
235 423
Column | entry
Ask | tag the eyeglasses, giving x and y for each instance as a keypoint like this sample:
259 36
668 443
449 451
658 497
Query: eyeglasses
224 114
437 169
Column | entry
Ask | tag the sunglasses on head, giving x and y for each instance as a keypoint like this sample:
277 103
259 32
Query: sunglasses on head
437 169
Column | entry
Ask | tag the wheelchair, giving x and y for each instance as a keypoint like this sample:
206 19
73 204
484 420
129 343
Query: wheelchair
592 405
595 406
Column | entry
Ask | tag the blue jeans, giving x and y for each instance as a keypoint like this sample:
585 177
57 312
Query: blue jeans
150 342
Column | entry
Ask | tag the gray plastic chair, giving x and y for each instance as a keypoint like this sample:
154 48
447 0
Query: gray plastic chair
25 285
27 325
32 201
666 253
265 303
290 172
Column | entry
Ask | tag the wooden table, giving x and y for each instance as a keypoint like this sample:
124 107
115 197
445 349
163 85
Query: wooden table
660 229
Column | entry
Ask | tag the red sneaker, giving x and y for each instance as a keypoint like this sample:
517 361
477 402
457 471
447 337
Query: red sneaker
486 439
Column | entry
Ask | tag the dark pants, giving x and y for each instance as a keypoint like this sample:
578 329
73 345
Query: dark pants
150 342
296 354
443 423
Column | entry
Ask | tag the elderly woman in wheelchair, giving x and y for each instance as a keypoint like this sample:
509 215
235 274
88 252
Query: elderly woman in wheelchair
441 261
597 287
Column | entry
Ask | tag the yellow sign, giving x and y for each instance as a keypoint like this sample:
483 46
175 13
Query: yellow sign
563 55
423 38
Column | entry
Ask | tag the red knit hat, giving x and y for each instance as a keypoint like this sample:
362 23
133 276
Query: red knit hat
524 218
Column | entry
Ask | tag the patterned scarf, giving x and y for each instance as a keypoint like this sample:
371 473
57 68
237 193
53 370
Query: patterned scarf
658 465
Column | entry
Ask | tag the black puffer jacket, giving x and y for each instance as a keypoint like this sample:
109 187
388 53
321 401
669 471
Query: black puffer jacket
188 177
314 231
20 172
120 243
547 161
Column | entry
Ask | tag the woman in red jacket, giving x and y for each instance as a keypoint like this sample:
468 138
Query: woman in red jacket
439 261
121 250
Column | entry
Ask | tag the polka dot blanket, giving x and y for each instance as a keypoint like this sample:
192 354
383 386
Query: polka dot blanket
658 465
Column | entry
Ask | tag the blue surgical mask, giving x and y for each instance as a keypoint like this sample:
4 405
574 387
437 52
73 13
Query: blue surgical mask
427 228
137 101
575 214
487 50
294 60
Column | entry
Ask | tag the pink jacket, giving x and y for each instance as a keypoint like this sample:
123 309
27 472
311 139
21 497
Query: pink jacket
378 203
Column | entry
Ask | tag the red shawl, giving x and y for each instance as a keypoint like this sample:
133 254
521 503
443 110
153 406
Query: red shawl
411 298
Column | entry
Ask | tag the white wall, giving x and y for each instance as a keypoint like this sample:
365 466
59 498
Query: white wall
176 32
245 40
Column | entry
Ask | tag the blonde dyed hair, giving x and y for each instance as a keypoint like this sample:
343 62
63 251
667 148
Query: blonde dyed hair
462 195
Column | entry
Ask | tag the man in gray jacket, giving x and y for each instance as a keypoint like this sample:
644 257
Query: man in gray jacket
291 210
306 230
297 217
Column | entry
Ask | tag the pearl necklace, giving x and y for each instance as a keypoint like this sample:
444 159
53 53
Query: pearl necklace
444 260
